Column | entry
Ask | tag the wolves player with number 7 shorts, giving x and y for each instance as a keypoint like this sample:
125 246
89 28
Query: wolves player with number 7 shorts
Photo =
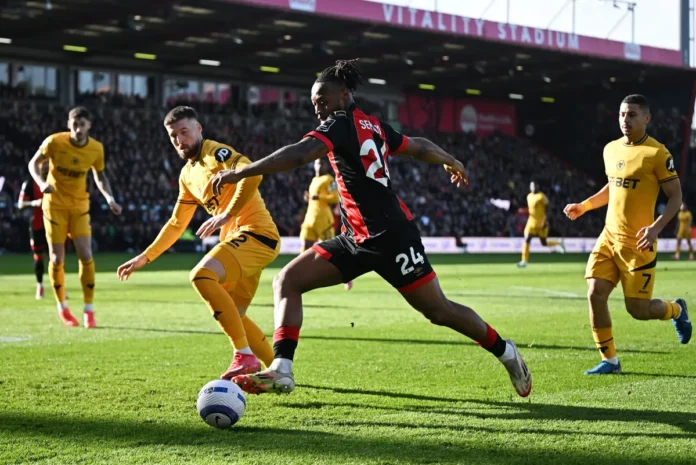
378 232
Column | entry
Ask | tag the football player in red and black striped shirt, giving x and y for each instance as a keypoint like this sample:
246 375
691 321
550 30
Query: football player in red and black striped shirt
30 196
378 232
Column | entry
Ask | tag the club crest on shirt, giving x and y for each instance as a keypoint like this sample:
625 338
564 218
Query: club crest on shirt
670 164
223 154
620 165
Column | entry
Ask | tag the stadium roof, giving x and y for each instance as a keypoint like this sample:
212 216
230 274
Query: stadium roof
293 44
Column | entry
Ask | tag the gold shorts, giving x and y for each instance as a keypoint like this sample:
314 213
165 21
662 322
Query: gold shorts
613 261
542 232
684 233
61 223
314 233
244 255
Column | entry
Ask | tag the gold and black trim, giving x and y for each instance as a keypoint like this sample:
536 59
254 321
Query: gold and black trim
649 266
49 219
235 161
187 202
669 179
267 241
640 142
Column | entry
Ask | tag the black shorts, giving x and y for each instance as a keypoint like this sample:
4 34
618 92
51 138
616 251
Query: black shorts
398 257
37 238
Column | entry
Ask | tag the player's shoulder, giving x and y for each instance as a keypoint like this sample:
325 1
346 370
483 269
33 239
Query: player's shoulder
58 138
218 152
613 145
95 143
335 120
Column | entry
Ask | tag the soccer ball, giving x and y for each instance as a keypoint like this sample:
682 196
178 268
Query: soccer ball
221 403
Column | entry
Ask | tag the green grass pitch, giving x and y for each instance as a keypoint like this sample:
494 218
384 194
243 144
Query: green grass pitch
377 383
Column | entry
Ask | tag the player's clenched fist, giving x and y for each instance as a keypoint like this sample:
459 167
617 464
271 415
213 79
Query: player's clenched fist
125 270
574 210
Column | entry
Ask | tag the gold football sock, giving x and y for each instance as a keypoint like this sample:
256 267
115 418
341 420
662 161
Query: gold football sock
525 252
221 305
257 341
552 243
678 247
604 340
673 310
56 273
87 280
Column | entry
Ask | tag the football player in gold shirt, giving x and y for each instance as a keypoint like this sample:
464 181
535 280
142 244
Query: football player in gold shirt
684 231
537 224
318 224
228 276
65 205
637 166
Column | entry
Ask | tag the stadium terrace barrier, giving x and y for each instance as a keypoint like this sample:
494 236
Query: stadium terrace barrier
448 245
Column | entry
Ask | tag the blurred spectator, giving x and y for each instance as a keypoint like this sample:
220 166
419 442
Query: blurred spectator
144 169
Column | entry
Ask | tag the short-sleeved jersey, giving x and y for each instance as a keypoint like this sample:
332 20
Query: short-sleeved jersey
319 211
685 219
30 191
68 168
359 147
635 173
195 186
537 204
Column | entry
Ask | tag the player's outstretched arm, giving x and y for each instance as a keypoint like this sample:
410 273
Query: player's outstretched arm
648 235
104 187
35 170
168 235
285 159
576 210
23 201
426 151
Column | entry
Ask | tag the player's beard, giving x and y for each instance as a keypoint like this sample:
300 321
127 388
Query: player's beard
191 152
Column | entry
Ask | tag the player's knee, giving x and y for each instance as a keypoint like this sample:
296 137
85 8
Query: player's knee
56 259
638 308
543 242
199 274
280 282
437 311
597 295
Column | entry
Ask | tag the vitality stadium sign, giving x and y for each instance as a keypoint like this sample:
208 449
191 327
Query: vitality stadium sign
443 23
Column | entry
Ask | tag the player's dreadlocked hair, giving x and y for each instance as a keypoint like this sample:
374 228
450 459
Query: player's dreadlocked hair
345 72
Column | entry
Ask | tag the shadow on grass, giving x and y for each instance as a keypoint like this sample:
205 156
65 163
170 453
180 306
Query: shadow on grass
523 411
525 347
77 438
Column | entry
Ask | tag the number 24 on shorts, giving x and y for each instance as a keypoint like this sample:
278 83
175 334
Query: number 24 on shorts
403 259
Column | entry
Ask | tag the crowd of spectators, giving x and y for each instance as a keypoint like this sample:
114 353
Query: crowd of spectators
143 169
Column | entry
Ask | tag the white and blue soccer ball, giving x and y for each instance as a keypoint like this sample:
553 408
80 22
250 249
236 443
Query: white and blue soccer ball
221 403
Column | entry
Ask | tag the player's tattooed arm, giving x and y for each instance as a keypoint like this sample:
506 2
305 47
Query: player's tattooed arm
426 151
104 187
285 159
35 171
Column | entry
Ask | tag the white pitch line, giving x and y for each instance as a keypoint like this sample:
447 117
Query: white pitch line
547 291
13 339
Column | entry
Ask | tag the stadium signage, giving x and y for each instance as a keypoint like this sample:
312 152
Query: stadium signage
400 16
479 28
472 245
